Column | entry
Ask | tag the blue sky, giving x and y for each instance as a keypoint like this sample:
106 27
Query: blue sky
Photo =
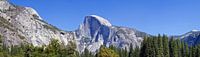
171 17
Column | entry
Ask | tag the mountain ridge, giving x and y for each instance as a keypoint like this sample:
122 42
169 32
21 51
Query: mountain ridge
29 28
23 25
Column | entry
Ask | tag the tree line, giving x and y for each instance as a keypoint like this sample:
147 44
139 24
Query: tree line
155 46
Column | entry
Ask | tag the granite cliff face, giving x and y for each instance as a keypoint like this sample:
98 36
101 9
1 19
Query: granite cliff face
96 31
23 25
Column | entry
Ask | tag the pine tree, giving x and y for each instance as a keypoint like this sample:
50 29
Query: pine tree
178 42
186 50
120 52
1 40
165 46
136 52
147 48
143 52
173 48
192 51
53 48
160 47
1 47
125 52
183 49
86 53
131 51
1 44
198 51
155 46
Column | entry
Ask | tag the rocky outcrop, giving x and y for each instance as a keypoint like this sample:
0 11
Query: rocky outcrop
20 25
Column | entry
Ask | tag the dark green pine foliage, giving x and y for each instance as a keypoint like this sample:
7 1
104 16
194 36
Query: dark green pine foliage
125 52
165 46
150 47
183 49
134 52
1 44
122 52
178 42
160 47
147 48
186 52
155 46
173 48
198 51
143 52
192 51
131 51
86 53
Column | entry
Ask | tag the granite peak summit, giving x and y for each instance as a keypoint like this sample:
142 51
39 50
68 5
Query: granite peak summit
24 25
98 19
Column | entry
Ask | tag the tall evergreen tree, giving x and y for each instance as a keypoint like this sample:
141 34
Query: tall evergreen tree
121 52
136 52
155 46
178 42
147 48
198 51
131 51
125 52
173 48
143 50
183 49
165 46
160 46
86 53
186 50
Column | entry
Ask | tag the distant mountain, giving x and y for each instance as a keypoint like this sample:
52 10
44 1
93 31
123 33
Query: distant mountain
192 38
22 25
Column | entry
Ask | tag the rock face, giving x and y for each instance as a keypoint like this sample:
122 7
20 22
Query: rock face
20 25
23 25
96 31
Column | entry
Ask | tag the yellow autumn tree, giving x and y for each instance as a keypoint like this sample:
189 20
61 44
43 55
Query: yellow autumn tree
106 52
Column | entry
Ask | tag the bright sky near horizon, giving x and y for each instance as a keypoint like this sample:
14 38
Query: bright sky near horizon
171 17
